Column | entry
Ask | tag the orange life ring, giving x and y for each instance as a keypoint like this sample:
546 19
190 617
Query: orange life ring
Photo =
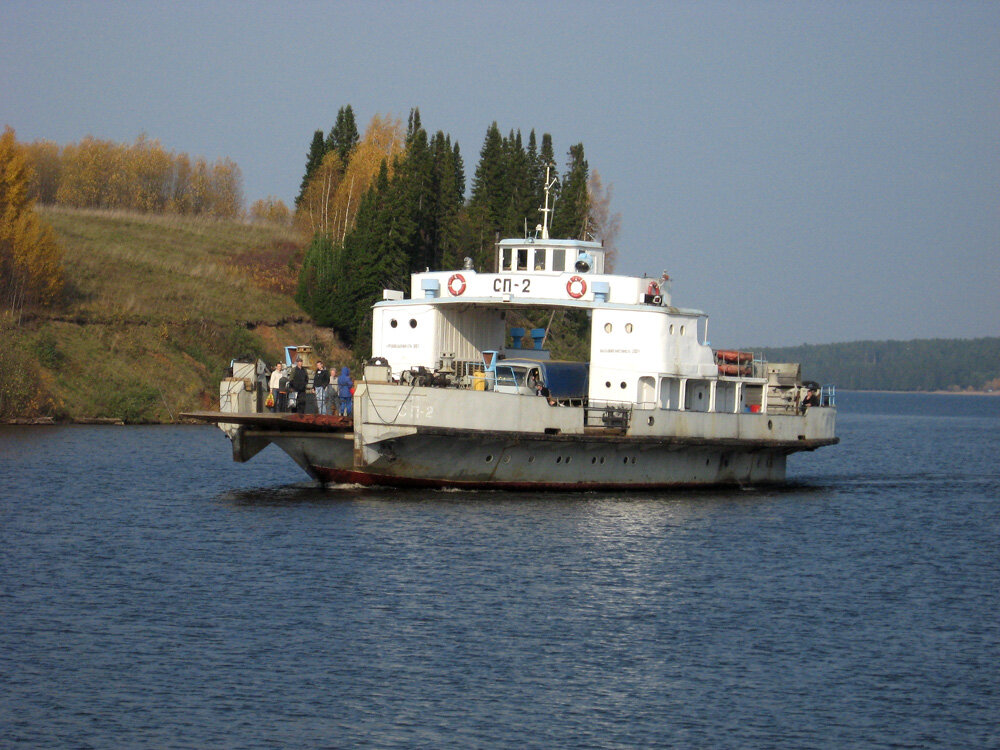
571 285
653 289
456 291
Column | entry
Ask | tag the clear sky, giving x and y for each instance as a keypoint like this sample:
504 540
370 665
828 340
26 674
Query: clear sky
807 172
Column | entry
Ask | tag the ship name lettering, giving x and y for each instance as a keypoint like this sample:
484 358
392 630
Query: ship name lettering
506 286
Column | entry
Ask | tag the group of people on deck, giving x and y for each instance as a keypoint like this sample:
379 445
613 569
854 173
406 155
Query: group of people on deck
289 386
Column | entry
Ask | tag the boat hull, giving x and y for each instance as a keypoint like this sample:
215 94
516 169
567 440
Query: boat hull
511 463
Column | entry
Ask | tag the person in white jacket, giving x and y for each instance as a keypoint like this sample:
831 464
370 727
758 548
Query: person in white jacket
275 383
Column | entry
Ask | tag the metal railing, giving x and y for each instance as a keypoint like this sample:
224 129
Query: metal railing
608 415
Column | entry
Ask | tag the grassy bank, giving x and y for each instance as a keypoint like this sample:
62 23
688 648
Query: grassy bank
156 307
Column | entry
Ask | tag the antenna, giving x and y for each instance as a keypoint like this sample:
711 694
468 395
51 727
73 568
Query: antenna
546 210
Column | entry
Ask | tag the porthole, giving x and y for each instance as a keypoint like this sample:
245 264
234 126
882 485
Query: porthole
602 459
531 459
628 328
700 396
769 425
593 459
393 323
489 458
413 322
607 328
671 329
558 459
568 459
625 460
682 330
708 461
607 383
506 459
623 385
633 460
649 421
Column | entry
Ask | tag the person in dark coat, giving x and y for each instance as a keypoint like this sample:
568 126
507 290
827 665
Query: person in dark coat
299 381
344 387
321 381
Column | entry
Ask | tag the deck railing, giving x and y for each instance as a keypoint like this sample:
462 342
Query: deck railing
610 415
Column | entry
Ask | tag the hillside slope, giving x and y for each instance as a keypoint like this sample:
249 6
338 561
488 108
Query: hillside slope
157 307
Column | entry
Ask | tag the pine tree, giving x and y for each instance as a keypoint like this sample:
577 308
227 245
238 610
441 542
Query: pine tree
317 150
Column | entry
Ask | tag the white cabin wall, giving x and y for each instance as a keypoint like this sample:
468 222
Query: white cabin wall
423 332
627 344
406 344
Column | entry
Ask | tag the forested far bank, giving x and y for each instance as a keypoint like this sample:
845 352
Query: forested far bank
916 365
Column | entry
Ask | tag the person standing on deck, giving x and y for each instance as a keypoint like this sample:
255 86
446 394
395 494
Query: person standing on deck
275 383
299 381
344 386
320 382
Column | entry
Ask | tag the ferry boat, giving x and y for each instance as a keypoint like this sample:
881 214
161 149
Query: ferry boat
456 394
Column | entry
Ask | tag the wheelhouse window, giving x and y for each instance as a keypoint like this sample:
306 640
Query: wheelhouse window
558 260
522 259
505 259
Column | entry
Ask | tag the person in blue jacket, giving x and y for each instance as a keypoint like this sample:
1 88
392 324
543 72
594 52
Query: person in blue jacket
344 386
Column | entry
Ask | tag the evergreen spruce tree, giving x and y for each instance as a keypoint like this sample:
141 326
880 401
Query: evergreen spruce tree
449 188
489 181
374 256
317 281
518 199
317 150
343 135
573 208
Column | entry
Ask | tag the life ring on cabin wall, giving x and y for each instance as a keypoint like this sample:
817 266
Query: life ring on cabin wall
576 287
653 289
456 284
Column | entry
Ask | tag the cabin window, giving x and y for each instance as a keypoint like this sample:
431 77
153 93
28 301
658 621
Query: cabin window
607 328
505 258
628 328
522 259
393 323
558 260
413 323
682 330
671 329
539 260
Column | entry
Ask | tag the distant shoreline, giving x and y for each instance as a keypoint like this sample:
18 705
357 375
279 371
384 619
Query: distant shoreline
927 393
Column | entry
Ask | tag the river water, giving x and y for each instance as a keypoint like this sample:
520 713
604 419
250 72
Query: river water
153 594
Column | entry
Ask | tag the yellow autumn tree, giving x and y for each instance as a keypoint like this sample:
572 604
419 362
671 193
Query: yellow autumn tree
270 209
317 209
30 270
332 197
45 158
225 189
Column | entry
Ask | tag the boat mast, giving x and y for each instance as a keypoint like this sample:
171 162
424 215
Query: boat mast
546 210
